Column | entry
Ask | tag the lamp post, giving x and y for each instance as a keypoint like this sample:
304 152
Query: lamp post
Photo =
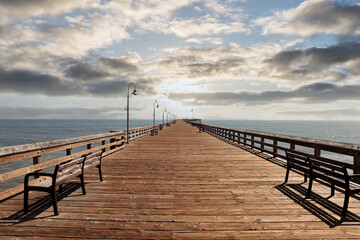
127 110
156 104
164 110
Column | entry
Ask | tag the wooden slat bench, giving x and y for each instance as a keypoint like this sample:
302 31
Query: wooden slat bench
298 162
154 132
63 172
94 160
334 173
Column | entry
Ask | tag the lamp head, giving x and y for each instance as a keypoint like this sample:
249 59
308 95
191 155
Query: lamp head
135 92
157 106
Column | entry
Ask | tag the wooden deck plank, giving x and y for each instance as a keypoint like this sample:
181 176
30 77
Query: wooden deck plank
182 184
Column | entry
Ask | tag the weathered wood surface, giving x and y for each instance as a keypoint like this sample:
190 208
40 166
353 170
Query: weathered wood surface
182 184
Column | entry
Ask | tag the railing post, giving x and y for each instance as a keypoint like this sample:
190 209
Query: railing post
244 139
292 146
356 166
68 151
262 144
317 152
103 143
37 160
112 140
89 146
252 141
275 147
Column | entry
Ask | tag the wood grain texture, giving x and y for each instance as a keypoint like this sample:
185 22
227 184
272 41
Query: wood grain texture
182 184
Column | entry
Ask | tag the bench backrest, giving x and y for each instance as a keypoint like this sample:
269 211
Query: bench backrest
297 161
93 159
68 169
332 172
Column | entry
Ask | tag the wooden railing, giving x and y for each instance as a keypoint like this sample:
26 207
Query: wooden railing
16 161
276 145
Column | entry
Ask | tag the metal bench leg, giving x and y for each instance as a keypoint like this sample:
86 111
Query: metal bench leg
287 175
309 188
345 207
54 201
26 199
332 190
82 183
100 174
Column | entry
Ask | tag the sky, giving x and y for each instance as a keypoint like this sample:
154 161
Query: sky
234 59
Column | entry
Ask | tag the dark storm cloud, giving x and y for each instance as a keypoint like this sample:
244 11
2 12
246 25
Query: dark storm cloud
327 14
32 83
293 64
85 72
108 88
314 17
119 64
318 92
29 82
74 112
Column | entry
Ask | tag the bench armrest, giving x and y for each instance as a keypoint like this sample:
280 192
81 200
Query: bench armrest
26 180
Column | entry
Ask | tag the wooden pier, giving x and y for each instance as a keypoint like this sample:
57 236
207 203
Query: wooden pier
182 184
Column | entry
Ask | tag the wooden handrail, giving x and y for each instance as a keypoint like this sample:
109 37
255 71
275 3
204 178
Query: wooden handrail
34 154
277 144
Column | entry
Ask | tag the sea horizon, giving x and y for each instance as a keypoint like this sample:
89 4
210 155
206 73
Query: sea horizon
24 131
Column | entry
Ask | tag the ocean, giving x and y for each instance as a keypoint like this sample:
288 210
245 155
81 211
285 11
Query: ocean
24 131
338 131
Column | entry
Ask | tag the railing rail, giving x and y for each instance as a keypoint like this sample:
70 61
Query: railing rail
277 145
30 157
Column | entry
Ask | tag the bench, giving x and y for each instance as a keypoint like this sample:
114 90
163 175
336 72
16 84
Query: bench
201 129
298 162
94 160
63 172
154 132
334 173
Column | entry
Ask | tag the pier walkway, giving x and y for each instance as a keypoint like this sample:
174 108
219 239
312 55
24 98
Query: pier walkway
183 184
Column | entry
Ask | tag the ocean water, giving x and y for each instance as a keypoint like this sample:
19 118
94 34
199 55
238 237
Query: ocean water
20 131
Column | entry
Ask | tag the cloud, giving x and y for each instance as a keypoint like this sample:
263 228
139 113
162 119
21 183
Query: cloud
84 71
204 62
313 17
119 64
20 9
30 82
207 26
216 41
326 114
35 83
311 63
62 112
312 93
